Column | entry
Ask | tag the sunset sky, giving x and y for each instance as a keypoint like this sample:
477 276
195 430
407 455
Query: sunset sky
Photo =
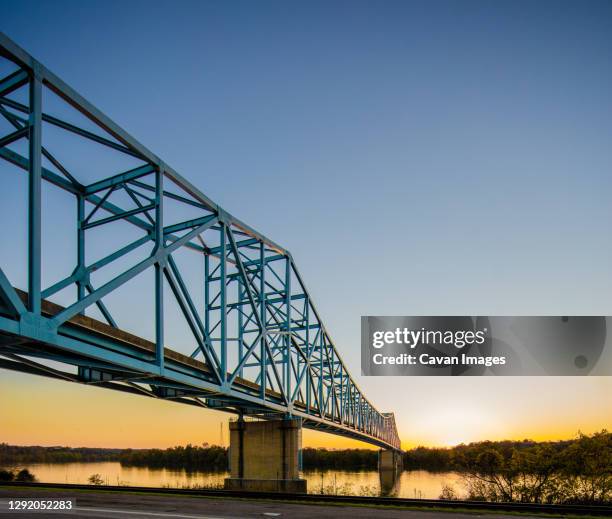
416 158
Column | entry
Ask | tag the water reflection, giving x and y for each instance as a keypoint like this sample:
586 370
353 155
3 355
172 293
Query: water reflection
417 483
390 482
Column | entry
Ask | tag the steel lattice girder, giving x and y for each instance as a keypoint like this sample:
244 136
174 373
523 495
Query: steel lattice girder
262 348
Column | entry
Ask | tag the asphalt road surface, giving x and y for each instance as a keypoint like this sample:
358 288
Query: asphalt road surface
141 506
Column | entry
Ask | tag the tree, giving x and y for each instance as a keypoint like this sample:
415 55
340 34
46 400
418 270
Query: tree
587 469
6 475
25 476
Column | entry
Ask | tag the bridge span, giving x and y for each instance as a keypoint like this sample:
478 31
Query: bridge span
257 345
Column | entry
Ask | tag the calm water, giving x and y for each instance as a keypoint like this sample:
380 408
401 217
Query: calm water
417 483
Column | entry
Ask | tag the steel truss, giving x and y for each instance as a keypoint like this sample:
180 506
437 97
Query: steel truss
262 348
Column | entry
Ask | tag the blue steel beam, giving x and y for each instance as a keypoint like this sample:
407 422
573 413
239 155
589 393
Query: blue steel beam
34 191
262 346
13 81
119 179
9 297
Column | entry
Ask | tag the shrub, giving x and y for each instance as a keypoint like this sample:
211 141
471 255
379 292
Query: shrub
6 475
25 476
95 479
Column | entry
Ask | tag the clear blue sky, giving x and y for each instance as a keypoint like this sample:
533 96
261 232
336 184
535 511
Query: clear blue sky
439 157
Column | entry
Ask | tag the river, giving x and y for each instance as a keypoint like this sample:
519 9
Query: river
415 483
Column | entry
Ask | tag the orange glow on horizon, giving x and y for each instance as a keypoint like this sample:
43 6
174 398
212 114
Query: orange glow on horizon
40 411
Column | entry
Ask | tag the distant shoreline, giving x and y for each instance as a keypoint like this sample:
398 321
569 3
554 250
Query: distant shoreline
460 458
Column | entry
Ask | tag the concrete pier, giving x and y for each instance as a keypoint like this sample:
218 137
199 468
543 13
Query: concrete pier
264 456
390 460
390 466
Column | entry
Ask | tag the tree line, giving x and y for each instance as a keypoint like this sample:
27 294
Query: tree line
17 455
344 459
576 471
191 457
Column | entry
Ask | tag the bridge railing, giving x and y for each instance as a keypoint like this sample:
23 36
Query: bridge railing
250 317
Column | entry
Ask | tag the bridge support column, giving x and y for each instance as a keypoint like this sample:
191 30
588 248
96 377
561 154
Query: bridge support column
390 466
390 460
264 456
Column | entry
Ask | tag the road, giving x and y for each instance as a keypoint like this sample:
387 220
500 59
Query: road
140 506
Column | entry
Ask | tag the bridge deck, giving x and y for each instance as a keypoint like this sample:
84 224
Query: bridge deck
95 327
114 339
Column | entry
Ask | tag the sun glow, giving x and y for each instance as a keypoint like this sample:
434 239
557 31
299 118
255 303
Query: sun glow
452 442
